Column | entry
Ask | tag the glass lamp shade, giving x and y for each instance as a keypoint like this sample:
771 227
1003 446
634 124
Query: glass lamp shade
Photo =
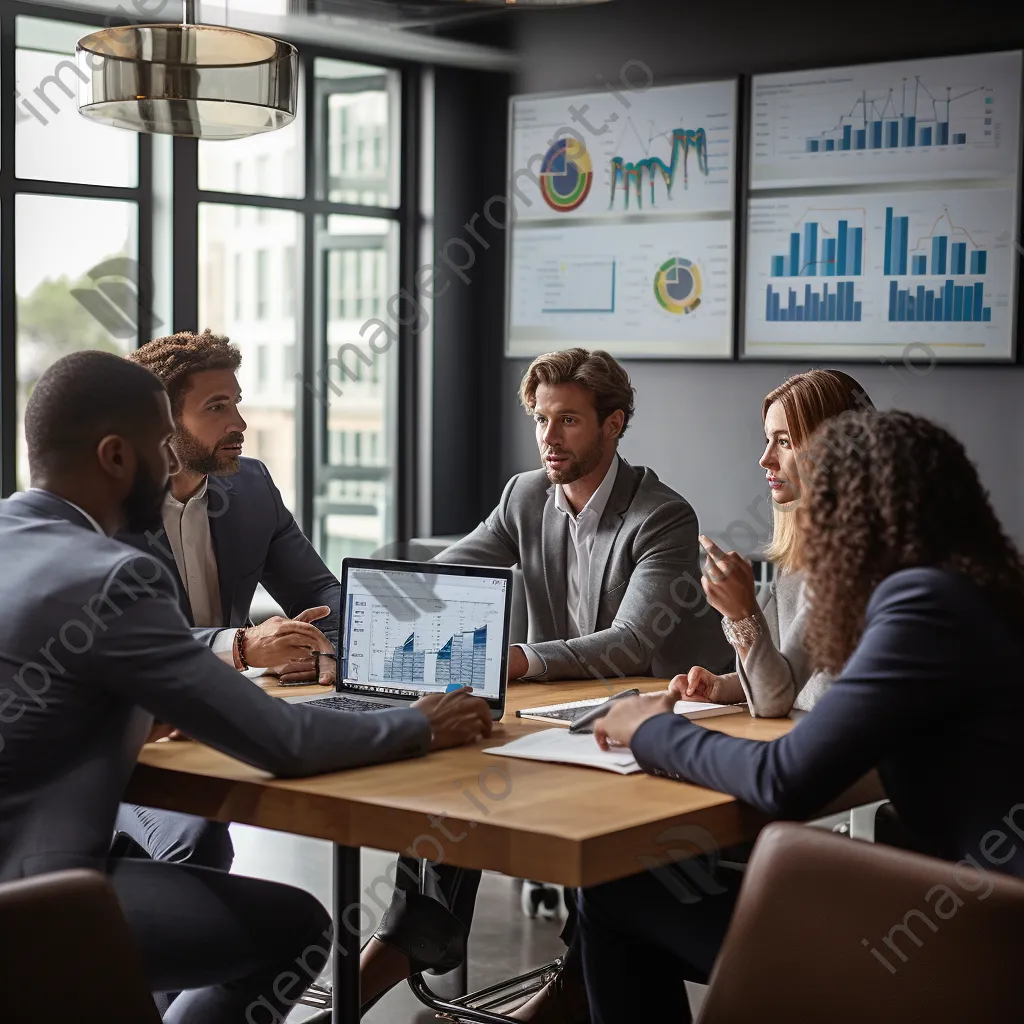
197 81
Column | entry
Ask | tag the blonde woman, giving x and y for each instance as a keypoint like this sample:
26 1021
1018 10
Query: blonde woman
773 672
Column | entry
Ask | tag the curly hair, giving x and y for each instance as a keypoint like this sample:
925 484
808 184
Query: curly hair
596 370
890 491
176 358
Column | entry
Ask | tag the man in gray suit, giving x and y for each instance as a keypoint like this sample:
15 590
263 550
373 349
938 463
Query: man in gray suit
94 649
609 560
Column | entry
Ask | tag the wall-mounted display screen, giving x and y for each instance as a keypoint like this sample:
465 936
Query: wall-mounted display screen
882 211
622 221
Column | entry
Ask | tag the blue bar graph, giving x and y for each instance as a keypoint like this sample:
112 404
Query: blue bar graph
876 125
954 303
834 303
943 250
815 254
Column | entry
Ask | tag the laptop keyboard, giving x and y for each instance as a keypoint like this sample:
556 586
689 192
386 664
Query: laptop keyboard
348 704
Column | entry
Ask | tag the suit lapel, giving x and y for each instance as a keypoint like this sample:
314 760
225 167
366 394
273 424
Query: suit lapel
554 547
607 530
226 541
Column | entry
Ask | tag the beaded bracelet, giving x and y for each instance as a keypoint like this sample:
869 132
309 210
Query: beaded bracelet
240 649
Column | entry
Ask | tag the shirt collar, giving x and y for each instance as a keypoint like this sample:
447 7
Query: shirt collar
81 511
172 502
598 499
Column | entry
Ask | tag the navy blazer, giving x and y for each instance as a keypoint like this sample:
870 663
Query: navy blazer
92 649
932 697
255 540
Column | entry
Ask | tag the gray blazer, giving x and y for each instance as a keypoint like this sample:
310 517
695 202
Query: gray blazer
652 617
93 647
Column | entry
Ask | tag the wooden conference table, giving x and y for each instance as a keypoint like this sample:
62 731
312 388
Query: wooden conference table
528 819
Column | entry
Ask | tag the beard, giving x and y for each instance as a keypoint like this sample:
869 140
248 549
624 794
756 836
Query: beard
197 458
144 503
579 465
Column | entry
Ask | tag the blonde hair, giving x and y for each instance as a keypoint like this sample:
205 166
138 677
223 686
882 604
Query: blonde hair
597 371
808 400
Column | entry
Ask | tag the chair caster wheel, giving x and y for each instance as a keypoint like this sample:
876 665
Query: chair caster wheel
541 898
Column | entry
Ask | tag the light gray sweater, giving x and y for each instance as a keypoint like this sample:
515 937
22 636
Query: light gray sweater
777 676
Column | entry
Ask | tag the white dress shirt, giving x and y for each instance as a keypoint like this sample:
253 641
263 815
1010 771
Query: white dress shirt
582 532
187 526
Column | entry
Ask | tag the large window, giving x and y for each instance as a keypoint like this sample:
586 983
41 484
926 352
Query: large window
74 194
294 255
359 259
72 296
258 321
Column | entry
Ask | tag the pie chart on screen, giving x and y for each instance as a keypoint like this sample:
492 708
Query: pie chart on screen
677 285
566 175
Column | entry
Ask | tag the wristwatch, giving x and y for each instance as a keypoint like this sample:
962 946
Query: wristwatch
742 632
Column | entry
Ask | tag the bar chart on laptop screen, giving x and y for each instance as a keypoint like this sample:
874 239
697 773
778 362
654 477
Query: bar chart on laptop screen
425 632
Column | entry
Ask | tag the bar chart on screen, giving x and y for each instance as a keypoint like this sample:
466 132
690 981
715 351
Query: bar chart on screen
934 119
446 631
941 257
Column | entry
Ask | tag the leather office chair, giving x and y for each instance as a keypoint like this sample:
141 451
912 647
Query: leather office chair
66 945
848 932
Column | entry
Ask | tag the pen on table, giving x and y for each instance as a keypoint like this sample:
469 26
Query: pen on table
599 711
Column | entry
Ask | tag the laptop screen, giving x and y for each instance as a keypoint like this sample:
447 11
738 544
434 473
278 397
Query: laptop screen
406 632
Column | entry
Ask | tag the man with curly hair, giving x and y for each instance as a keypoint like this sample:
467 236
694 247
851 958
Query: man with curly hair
226 530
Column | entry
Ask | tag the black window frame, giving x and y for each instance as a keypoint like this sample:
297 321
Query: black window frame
313 470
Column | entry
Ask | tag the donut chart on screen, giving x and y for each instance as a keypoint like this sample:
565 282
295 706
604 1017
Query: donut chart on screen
677 285
566 175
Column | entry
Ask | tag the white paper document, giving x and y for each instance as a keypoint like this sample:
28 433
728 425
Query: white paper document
568 748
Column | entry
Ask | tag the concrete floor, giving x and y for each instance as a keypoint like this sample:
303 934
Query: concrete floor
504 941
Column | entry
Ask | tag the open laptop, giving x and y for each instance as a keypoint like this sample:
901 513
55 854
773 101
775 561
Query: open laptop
412 628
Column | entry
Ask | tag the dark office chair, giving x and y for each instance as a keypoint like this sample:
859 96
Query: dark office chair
831 929
66 945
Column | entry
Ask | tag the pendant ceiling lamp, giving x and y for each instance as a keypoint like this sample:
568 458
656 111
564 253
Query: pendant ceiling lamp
196 81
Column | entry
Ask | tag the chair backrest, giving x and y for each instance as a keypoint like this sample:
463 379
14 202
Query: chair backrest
67 953
828 928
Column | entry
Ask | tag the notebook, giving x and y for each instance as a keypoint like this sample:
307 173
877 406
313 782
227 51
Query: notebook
564 747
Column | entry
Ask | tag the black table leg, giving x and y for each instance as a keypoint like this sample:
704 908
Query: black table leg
347 919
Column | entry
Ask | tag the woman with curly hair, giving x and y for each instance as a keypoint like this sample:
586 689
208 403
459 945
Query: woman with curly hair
773 672
916 592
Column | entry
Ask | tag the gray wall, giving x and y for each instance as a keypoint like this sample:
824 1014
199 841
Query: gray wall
698 424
